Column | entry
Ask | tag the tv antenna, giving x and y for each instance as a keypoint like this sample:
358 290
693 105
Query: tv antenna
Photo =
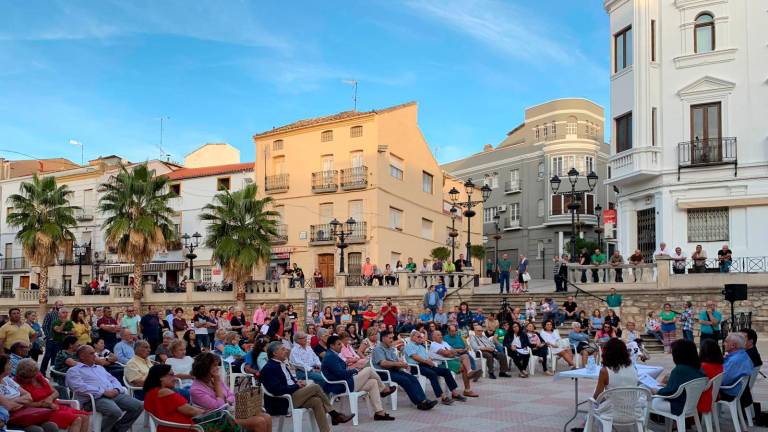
163 153
353 83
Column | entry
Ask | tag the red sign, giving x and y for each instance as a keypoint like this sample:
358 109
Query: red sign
216 272
609 216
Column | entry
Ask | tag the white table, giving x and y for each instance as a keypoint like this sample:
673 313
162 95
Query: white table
583 373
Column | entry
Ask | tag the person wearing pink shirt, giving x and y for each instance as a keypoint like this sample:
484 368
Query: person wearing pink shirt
260 315
368 271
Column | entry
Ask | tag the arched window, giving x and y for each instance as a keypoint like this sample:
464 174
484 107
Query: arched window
326 136
704 33
571 126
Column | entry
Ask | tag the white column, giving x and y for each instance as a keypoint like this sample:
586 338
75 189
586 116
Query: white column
560 243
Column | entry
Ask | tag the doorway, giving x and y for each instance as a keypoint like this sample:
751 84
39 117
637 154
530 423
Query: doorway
325 262
24 282
646 232
706 131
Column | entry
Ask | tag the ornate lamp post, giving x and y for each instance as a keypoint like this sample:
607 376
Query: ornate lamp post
341 231
599 229
79 251
574 204
469 188
191 242
496 237
454 233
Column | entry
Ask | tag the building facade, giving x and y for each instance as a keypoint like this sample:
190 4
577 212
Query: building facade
554 137
688 107
374 167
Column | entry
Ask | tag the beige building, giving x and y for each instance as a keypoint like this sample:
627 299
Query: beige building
212 154
374 167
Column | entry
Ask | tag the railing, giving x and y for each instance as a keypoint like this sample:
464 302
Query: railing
28 295
356 280
606 273
323 233
173 245
325 181
122 291
7 264
214 287
84 214
707 151
158 287
713 265
263 287
7 293
426 279
276 183
512 186
61 292
354 178
281 234
510 224
87 290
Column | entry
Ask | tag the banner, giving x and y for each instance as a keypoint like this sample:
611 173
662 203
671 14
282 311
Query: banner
609 223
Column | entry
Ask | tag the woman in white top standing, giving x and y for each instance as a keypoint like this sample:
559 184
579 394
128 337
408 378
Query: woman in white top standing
557 346
181 363
617 371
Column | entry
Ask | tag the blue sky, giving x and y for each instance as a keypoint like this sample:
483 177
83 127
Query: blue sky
104 72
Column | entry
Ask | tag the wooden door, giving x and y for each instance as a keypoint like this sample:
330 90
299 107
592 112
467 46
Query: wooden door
24 282
706 133
325 264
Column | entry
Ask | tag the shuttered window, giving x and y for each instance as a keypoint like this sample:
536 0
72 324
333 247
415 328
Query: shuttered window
708 224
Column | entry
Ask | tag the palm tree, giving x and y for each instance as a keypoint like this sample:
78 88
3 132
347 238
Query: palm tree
239 232
138 222
44 217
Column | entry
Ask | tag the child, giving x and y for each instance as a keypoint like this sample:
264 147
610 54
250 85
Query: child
530 310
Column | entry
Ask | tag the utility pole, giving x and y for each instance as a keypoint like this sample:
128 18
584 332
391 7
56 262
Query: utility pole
353 83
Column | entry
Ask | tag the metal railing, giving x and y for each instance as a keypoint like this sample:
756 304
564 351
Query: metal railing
512 186
354 178
713 265
84 214
87 290
424 280
707 151
19 263
7 293
281 234
276 183
606 273
511 223
323 233
61 292
325 181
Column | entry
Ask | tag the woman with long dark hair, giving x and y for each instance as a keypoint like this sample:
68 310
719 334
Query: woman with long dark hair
516 343
193 348
687 368
464 317
617 371
538 347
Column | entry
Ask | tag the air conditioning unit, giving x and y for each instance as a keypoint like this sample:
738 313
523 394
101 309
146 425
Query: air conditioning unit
99 255
501 208
248 180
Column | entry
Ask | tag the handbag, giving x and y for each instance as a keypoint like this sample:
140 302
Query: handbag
218 420
248 398
526 277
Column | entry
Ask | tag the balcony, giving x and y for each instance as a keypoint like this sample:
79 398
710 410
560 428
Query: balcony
281 235
325 181
84 214
510 224
634 165
322 234
276 183
13 264
354 178
511 187
173 245
706 152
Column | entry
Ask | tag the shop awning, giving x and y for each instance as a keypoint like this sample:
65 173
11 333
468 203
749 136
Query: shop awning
146 268
723 201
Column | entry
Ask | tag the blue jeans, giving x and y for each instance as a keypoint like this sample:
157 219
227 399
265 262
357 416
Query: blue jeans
410 384
202 340
688 335
503 280
51 349
433 374
725 267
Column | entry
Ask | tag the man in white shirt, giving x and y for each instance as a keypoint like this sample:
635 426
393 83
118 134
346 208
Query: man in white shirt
440 351
306 361
662 250
678 261
480 343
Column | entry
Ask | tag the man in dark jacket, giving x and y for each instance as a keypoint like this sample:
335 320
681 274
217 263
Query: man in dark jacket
278 380
335 369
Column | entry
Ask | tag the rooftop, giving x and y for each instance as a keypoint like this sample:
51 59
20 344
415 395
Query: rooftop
188 173
344 115
27 167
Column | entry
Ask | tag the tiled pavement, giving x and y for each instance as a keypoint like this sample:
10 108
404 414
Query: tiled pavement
536 404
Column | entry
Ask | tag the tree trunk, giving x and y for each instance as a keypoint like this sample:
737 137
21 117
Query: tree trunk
43 292
240 295
138 286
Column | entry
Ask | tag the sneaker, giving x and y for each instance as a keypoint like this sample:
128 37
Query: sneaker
505 375
491 375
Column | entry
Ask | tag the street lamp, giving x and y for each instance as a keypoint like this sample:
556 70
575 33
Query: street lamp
191 242
599 229
454 233
496 237
342 231
469 188
573 205
79 251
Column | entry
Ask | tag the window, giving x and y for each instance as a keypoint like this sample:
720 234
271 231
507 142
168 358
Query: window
426 229
203 274
514 180
540 249
545 130
176 189
560 204
326 136
395 219
513 212
653 40
653 126
356 158
622 49
537 132
704 33
559 165
554 128
395 167
589 164
540 174
708 224
355 131
356 210
222 183
570 127
623 132
426 182
327 161
488 214
277 145
705 122
492 180
278 165
540 208
326 213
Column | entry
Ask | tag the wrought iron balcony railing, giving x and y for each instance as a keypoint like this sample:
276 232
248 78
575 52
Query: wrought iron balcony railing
705 152
276 183
323 234
10 264
354 178
325 181
512 186
281 236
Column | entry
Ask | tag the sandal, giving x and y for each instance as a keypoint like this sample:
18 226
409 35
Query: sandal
470 393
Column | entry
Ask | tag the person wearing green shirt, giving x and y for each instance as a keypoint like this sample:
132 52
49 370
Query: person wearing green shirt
598 258
62 327
613 301
668 326
410 266
489 268
501 332
504 265
449 267
710 320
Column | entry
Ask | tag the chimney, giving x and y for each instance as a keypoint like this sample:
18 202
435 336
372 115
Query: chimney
487 148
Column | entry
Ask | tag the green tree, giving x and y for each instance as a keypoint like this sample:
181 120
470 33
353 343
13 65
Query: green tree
477 252
440 253
44 217
239 231
138 218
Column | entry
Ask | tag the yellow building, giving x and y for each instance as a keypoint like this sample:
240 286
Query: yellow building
374 167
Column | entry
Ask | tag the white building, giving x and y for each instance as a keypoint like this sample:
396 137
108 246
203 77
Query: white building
689 106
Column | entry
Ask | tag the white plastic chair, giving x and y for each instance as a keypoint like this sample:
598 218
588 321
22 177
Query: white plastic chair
711 420
353 397
96 417
296 414
478 356
132 392
734 406
628 406
693 390
750 410
154 422
388 381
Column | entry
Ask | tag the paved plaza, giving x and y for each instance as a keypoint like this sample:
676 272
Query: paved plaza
538 403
